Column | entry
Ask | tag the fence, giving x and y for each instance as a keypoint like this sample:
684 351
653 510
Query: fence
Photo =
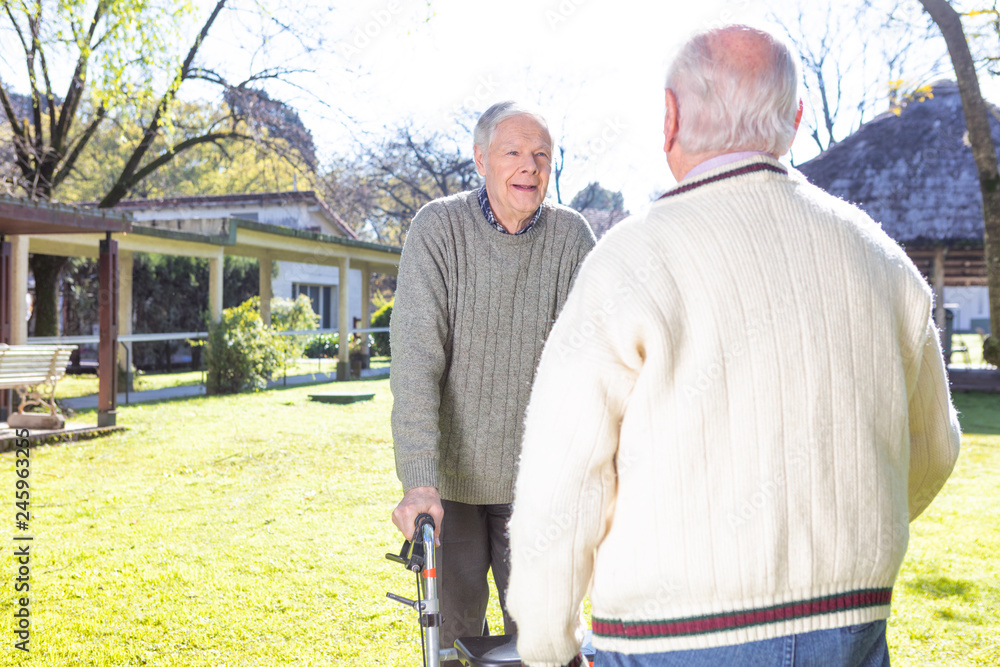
189 335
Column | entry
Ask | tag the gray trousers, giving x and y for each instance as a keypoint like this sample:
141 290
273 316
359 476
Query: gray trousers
473 539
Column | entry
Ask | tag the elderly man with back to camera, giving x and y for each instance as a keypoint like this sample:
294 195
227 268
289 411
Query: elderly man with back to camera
482 277
740 409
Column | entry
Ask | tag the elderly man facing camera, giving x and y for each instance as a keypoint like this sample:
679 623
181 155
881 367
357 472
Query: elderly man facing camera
739 410
482 277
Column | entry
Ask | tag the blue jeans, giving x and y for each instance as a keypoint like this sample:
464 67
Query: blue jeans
851 646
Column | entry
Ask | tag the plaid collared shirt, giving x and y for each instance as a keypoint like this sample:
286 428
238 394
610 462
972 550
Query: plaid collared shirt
484 203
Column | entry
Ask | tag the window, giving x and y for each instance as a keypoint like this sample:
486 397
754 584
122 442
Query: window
324 299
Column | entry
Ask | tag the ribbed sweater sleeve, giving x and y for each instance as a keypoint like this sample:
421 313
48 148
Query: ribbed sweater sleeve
934 428
420 318
572 478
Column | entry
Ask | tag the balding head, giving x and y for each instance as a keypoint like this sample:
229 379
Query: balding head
736 89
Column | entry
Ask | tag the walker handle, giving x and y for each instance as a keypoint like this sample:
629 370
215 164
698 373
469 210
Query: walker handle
412 555
422 519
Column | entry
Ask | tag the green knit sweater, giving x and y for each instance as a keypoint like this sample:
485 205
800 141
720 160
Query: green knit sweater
473 308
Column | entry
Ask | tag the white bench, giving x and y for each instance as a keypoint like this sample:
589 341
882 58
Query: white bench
33 370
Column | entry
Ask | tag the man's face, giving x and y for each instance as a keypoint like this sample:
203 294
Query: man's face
516 167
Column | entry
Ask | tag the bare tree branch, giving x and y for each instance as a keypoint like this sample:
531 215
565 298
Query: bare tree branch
120 189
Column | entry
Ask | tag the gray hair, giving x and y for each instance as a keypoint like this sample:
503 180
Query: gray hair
486 127
726 107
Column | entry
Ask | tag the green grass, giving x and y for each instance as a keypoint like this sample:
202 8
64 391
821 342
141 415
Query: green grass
250 530
946 604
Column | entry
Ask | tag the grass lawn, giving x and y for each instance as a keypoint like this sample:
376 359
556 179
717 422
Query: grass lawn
250 530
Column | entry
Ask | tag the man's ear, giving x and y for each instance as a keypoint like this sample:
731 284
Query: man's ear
670 121
477 153
795 131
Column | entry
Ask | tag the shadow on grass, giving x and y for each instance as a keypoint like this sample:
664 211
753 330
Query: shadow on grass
942 587
978 412
949 615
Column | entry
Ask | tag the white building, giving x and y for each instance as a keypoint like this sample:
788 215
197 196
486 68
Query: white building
303 211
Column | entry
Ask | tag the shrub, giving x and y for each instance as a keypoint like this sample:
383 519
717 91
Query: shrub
242 354
327 346
323 346
381 339
297 315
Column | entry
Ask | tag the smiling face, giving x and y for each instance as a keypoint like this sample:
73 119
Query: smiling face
516 168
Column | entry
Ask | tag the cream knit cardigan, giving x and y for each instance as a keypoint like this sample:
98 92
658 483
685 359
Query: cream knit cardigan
738 412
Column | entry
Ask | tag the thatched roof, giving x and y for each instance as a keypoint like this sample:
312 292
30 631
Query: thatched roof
914 172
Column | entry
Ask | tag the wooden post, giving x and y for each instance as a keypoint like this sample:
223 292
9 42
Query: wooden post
938 279
344 320
6 260
5 297
107 350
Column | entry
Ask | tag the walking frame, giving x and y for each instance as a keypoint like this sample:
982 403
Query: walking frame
417 555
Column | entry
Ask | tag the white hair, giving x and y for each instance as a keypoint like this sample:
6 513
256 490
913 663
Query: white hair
725 106
486 127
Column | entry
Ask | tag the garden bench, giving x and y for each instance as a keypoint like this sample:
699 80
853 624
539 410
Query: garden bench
33 370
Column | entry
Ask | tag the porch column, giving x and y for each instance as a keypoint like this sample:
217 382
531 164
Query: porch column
126 260
265 290
18 291
215 287
366 305
344 320
107 348
938 279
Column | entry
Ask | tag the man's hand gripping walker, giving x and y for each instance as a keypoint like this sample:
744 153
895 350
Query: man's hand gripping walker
418 556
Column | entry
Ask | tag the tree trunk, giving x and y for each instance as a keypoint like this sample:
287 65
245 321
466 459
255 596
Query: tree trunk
46 270
984 153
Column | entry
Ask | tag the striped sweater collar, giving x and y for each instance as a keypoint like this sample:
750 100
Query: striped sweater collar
733 170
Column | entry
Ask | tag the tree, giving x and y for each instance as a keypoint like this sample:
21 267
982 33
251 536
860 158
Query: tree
393 178
602 208
983 152
596 197
125 66
206 169
848 80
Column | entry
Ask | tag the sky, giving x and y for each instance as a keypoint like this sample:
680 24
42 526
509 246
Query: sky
595 68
